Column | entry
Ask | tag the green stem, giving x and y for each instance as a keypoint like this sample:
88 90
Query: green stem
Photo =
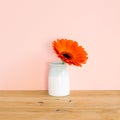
63 62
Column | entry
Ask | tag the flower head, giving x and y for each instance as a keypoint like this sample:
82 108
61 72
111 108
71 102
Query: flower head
70 52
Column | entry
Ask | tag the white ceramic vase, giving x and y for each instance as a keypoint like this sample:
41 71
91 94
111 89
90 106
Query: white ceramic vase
58 79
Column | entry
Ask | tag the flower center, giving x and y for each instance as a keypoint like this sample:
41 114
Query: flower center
67 55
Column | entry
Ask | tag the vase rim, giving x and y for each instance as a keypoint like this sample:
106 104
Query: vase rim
57 63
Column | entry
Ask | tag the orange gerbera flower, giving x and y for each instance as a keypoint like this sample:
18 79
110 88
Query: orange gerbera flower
70 52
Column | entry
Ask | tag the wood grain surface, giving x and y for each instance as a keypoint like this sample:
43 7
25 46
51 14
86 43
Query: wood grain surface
79 105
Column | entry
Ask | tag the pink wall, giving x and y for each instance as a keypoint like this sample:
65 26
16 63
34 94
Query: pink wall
27 28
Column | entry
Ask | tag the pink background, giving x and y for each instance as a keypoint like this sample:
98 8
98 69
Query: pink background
28 27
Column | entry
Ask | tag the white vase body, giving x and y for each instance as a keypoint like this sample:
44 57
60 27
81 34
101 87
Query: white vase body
58 80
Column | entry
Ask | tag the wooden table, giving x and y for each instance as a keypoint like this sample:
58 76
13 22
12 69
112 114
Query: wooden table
80 105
